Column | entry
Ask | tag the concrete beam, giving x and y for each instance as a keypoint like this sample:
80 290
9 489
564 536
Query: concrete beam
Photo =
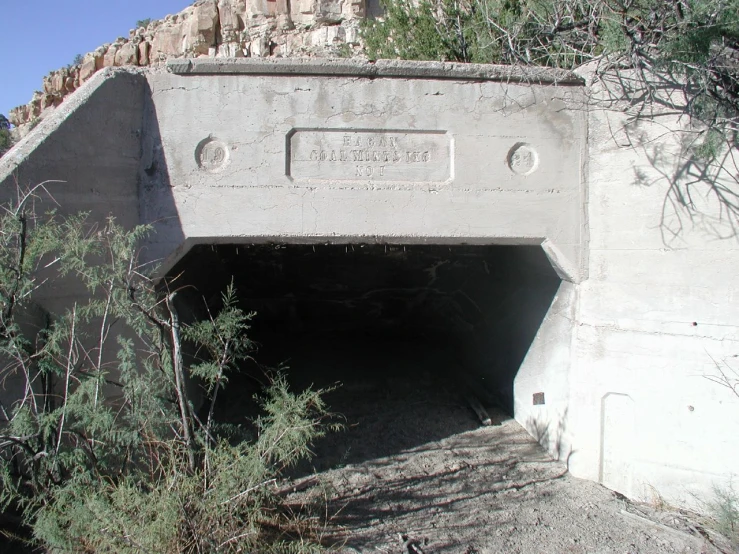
381 68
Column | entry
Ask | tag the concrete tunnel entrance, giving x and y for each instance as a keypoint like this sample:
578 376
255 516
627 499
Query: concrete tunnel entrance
408 330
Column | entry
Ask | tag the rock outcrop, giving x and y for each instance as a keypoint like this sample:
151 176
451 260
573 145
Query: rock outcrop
212 28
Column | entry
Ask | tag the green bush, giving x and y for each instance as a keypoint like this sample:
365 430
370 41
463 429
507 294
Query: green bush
6 140
724 508
102 450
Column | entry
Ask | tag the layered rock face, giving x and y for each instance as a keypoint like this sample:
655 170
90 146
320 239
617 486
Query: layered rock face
213 28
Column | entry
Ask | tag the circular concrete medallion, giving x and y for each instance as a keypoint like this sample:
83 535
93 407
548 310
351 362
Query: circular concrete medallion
522 159
211 155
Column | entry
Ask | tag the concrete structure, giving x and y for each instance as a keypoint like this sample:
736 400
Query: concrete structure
245 152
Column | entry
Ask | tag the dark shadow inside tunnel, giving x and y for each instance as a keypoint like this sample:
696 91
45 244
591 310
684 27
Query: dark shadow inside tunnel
408 330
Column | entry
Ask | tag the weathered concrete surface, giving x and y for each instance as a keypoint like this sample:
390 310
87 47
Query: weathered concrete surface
406 159
657 313
89 151
349 153
380 68
92 144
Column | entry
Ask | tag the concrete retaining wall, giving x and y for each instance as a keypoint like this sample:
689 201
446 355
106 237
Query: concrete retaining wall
657 312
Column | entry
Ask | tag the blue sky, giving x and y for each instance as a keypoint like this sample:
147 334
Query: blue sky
38 36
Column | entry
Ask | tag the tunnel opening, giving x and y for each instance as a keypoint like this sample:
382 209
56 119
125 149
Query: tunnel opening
409 332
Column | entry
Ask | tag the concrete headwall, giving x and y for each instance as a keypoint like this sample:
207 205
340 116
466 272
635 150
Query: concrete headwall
338 150
232 151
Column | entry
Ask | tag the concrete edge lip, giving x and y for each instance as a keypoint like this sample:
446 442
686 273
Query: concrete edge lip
380 68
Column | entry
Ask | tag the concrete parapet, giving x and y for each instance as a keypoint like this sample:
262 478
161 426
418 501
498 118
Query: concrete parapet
379 68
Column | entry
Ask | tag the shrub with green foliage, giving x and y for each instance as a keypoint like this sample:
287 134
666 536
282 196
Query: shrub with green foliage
102 449
6 140
724 509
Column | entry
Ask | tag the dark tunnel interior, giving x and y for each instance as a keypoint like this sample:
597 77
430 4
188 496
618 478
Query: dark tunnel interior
408 330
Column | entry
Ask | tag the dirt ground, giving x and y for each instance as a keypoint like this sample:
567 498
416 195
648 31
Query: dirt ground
416 473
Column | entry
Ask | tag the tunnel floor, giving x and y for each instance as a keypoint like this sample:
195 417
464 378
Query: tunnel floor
389 399
488 490
405 332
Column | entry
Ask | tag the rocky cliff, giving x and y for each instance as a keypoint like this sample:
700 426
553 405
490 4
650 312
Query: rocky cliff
213 28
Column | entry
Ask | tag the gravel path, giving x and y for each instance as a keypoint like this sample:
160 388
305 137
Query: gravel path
421 476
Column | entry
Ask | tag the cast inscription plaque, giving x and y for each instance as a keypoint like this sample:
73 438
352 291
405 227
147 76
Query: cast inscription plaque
369 155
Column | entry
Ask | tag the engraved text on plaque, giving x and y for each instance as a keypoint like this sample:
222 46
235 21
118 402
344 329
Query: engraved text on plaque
371 155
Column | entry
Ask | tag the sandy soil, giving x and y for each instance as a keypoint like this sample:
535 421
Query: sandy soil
416 473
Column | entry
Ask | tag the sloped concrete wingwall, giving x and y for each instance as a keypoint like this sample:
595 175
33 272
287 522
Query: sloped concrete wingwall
658 312
87 155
